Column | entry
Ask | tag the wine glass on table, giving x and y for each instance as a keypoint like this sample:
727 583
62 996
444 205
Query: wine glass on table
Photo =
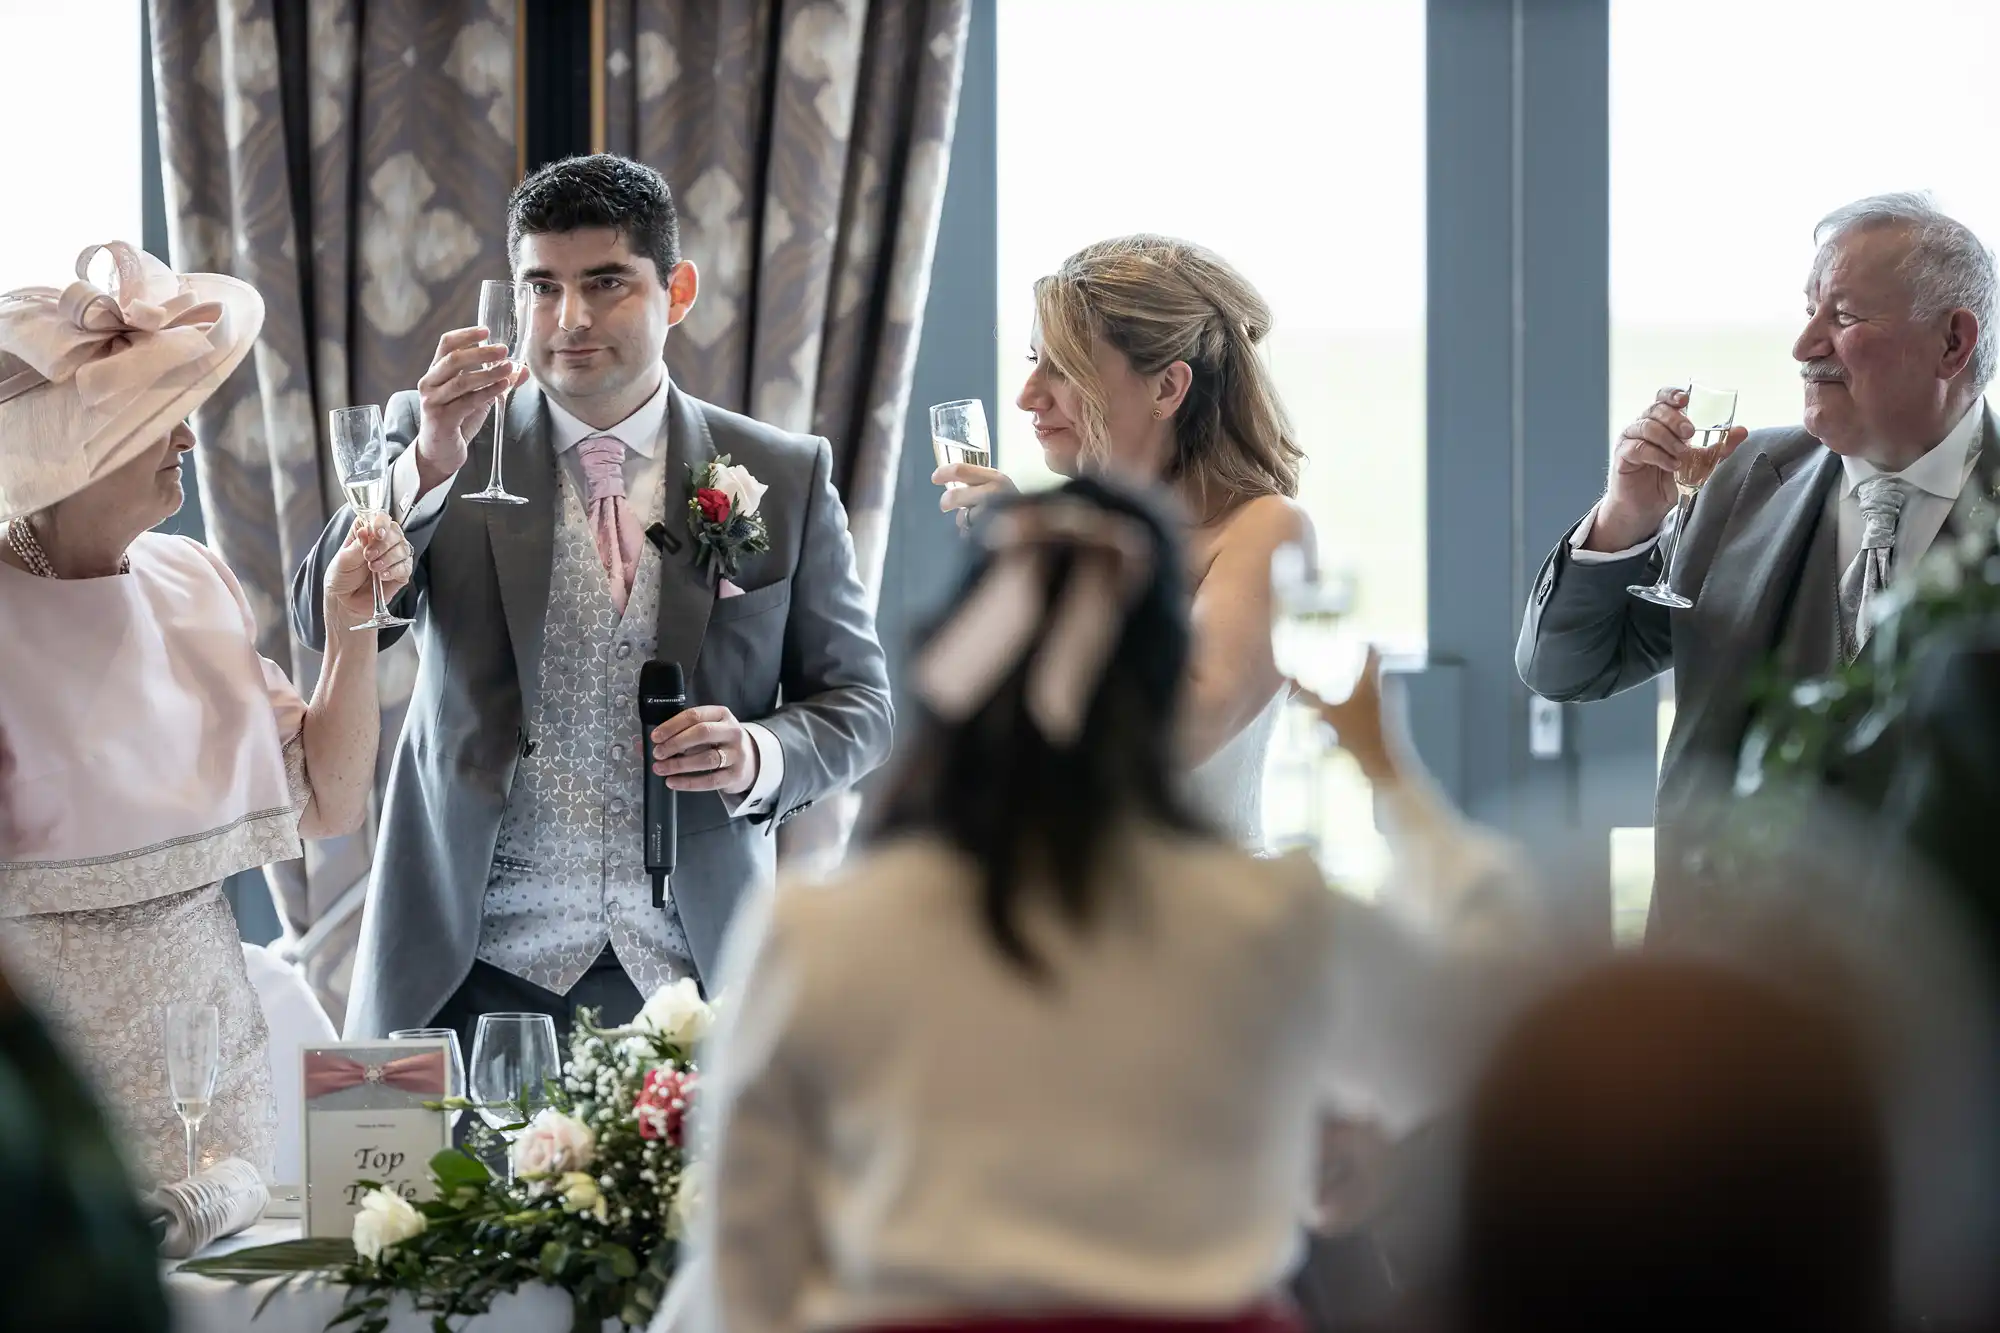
513 1061
194 1058
454 1058
503 313
1712 412
361 456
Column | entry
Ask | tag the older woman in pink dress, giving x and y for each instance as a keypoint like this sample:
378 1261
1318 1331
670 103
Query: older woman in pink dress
147 752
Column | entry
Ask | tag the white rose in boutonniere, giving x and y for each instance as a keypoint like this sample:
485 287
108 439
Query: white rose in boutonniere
745 492
677 1013
552 1144
385 1219
722 514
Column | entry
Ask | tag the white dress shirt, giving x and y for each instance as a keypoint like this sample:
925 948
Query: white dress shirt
644 436
1935 481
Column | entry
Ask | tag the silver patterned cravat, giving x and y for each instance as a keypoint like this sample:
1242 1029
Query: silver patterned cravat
1874 564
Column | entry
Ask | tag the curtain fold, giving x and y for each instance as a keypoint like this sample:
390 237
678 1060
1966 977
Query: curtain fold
806 142
351 159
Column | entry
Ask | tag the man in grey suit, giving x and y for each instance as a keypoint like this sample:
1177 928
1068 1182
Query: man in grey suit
510 872
1797 529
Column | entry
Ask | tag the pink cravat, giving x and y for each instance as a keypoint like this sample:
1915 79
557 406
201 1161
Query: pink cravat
612 521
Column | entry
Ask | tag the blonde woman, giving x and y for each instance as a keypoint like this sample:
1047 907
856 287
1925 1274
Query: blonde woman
1145 366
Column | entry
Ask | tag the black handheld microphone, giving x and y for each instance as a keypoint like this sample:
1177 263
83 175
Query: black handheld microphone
662 695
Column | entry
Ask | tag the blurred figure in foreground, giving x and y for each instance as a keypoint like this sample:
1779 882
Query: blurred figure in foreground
1055 1047
1664 1144
75 1255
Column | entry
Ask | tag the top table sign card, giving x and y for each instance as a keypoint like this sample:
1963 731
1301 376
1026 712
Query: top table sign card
365 1121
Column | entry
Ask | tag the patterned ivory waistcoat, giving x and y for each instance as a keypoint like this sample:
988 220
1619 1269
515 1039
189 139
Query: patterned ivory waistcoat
569 869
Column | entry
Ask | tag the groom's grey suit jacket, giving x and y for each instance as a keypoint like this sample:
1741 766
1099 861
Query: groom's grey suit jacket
795 652
1761 561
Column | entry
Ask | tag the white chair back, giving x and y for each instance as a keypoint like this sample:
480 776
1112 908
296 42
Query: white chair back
295 1018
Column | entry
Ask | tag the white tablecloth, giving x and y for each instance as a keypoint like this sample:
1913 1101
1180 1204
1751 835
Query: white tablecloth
206 1305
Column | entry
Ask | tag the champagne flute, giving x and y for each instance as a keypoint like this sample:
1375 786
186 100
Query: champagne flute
513 1058
503 313
360 455
959 435
1712 413
454 1059
194 1058
1308 607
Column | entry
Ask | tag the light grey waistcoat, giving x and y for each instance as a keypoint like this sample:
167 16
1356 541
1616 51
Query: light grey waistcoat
568 869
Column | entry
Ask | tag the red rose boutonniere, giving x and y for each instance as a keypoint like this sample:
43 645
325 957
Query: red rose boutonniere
722 509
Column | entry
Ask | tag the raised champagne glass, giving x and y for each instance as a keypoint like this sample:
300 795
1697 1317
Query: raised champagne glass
503 313
959 435
361 456
1712 413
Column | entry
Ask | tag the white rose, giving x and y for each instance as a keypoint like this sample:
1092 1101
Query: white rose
677 1013
552 1144
385 1219
745 492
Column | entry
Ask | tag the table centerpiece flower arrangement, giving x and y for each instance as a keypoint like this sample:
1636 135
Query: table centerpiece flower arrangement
602 1192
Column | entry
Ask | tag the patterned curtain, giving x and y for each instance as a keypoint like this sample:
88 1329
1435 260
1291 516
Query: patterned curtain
806 142
351 159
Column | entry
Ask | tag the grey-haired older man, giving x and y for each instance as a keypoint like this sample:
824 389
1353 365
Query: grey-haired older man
1797 530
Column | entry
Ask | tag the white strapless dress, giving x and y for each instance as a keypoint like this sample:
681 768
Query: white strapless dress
1229 786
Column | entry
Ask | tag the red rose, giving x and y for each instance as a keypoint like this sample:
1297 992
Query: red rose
661 1107
714 504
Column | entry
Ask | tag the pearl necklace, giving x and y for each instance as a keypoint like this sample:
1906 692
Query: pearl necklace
21 540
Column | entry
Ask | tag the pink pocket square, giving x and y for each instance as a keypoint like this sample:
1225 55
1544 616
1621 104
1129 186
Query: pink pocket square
726 589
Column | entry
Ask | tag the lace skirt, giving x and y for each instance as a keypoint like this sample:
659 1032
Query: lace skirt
103 979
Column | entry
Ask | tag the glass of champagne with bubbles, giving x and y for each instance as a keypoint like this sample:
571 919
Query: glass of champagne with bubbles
194 1058
361 456
1712 413
958 434
503 313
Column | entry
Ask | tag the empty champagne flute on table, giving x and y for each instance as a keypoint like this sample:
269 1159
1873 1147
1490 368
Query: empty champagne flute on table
194 1058
513 1061
503 313
361 456
1712 412
454 1059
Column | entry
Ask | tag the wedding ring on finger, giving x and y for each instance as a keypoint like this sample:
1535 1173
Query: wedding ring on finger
721 760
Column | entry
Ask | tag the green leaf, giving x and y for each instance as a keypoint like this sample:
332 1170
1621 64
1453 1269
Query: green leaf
555 1257
455 1167
622 1262
315 1254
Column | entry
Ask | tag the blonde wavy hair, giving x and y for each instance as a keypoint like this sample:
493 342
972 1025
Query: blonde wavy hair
1158 301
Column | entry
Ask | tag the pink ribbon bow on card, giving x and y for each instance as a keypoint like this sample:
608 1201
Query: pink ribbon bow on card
411 1073
149 316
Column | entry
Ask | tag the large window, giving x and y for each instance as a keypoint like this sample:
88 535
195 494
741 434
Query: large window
1734 128
1288 137
70 156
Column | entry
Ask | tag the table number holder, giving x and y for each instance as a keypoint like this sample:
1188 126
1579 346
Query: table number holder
365 1120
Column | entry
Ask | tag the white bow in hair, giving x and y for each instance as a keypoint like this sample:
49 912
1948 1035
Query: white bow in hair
48 334
1111 560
